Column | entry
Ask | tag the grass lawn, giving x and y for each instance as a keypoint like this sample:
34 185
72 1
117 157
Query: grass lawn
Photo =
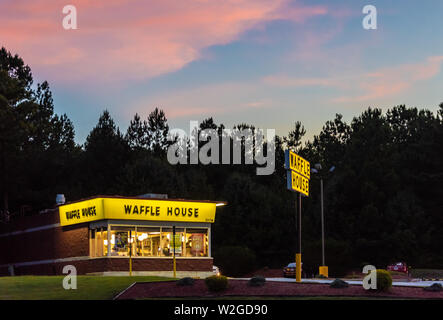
51 287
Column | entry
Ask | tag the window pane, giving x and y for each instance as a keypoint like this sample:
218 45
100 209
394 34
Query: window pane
105 242
148 242
92 243
168 243
197 243
119 243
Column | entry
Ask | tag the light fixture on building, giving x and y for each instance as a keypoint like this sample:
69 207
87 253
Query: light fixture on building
60 199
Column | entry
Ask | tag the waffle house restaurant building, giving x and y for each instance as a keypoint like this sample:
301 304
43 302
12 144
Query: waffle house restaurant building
100 235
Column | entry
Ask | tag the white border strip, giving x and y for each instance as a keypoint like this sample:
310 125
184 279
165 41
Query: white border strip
49 261
48 226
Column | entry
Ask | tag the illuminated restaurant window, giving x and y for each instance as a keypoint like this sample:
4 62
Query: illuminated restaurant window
99 245
167 241
92 243
121 241
105 242
196 242
148 242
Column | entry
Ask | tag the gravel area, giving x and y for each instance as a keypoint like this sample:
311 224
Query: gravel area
237 288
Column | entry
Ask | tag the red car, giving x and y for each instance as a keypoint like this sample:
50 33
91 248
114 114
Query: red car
398 267
289 270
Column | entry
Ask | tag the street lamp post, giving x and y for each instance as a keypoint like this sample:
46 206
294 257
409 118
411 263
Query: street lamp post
317 169
322 225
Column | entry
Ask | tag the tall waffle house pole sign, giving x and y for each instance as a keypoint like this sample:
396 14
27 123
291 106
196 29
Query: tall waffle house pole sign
298 175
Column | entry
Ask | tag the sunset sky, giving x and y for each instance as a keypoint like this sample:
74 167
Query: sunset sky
268 63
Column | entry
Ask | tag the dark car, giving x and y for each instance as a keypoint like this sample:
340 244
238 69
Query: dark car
289 270
398 267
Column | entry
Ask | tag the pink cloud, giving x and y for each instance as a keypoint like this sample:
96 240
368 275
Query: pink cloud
381 83
185 112
287 81
130 39
207 100
391 81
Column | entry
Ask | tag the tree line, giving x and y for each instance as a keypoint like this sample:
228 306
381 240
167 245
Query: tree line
383 201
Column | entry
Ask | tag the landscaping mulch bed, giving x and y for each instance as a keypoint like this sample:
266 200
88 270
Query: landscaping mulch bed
236 288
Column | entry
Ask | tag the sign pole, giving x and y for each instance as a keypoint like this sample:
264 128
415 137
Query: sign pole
298 255
173 256
323 270
130 253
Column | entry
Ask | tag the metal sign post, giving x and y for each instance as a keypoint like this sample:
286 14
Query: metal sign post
298 255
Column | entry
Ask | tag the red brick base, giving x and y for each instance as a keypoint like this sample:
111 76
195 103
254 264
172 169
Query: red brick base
113 264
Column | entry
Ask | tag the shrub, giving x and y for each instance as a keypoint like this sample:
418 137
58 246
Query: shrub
216 283
435 287
235 261
384 280
257 281
339 284
186 281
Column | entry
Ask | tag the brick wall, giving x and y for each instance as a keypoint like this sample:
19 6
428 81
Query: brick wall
54 243
114 264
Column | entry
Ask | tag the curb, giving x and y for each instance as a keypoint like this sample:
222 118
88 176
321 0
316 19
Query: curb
121 293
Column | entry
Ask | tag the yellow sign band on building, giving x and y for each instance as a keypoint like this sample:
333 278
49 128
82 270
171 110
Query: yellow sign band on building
298 164
79 212
136 209
297 182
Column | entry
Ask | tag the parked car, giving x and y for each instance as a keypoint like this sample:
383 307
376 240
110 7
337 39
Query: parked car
290 269
398 267
216 270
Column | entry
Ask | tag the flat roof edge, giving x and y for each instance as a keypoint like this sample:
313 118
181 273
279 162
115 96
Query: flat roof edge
138 198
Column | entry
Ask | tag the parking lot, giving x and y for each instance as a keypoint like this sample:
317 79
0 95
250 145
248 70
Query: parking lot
412 283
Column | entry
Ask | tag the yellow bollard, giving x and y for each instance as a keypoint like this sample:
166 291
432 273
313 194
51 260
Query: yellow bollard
298 267
130 266
323 270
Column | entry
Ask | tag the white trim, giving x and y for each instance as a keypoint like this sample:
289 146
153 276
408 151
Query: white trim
49 261
45 227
